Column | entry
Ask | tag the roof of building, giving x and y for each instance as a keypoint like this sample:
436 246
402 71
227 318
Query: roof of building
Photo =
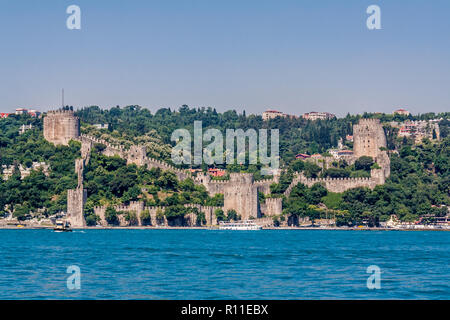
302 155
272 111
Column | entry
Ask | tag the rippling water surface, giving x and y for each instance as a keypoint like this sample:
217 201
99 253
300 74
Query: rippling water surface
207 264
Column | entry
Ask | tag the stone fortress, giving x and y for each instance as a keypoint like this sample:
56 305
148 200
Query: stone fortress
369 140
240 191
61 126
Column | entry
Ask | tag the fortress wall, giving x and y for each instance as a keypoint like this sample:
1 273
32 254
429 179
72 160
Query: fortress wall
241 195
136 155
340 185
76 199
210 216
272 207
264 185
100 211
154 220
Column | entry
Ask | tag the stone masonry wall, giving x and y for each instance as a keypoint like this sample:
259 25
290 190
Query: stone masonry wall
61 126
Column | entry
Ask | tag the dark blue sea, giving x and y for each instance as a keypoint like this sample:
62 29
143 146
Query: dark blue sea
207 264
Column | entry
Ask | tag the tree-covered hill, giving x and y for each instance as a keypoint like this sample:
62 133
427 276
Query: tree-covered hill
297 135
418 186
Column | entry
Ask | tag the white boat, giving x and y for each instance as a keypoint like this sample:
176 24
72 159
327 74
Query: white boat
240 225
62 226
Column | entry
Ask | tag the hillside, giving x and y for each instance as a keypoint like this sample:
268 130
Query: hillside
418 185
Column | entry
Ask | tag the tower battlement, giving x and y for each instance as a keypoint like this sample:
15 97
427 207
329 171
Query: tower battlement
60 112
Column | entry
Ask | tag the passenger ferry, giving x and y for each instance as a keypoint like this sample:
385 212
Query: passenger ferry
62 226
240 225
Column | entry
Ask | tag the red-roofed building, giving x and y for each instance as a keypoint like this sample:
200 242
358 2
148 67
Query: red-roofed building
21 111
34 113
272 114
217 172
302 156
402 112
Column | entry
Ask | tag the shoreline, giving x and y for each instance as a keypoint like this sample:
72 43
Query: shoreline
214 228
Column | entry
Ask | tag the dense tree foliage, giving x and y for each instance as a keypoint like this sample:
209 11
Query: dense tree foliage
48 194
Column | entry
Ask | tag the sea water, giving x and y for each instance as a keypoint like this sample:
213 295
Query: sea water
215 264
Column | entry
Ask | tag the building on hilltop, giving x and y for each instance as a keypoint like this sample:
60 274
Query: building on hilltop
418 129
403 112
21 111
24 128
318 116
8 171
61 126
302 156
272 114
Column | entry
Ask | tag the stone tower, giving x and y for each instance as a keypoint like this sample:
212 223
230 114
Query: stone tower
76 199
368 137
241 195
137 155
61 126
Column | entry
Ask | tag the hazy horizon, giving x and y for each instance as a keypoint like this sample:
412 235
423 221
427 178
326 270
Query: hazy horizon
294 56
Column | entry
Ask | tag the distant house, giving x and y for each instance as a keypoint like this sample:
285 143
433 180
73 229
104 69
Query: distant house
272 114
21 111
24 128
349 138
345 154
318 116
216 172
4 115
302 156
101 125
402 112
34 113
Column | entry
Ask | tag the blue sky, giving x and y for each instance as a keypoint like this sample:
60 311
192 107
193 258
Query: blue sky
294 56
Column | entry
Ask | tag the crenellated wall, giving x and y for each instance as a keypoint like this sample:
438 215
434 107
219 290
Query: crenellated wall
339 185
272 207
136 155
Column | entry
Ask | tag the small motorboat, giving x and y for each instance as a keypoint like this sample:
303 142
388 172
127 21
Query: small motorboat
62 226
